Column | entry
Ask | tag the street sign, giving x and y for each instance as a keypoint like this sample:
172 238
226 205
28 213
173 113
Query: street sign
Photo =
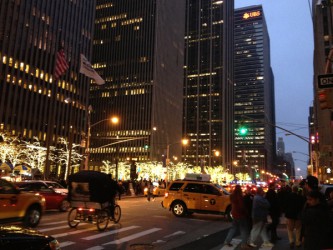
325 81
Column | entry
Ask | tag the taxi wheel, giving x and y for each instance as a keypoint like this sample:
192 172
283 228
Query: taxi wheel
179 209
32 216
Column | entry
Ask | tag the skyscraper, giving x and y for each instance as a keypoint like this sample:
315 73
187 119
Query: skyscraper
138 50
321 130
32 102
208 87
254 91
280 147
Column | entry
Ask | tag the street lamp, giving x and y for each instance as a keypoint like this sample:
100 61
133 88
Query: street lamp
113 120
184 142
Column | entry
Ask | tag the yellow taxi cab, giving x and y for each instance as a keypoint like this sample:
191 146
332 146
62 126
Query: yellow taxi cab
16 205
196 194
158 190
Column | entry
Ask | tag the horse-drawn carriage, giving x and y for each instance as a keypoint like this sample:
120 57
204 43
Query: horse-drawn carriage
91 194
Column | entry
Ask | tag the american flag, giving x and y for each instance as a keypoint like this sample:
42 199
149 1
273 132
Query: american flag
61 64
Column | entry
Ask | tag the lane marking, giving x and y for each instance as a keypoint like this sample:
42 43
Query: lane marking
132 237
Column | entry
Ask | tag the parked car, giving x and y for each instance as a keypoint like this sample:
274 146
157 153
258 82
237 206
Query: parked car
16 205
55 194
196 195
16 238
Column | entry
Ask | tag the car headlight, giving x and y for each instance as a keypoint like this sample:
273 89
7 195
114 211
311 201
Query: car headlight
54 245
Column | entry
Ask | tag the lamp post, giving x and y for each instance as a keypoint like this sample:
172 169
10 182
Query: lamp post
183 142
114 120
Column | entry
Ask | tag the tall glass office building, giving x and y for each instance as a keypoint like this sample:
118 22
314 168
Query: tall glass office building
32 102
139 51
208 84
254 92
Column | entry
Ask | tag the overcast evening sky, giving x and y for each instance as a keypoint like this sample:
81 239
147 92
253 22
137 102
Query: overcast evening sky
290 29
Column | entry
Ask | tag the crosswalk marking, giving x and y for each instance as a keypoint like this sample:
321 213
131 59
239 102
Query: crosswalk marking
52 228
66 243
174 234
133 236
54 223
109 233
95 248
73 232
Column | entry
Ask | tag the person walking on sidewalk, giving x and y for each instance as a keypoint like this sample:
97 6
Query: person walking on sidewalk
293 211
316 222
274 211
260 212
240 218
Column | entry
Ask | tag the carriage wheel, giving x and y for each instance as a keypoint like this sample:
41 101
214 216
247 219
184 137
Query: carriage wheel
102 219
72 218
117 213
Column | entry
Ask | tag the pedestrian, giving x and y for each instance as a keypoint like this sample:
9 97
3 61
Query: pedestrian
240 218
316 223
260 210
283 192
293 211
150 191
274 211
248 202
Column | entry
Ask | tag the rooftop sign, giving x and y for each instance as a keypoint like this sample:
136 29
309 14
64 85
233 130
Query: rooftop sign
252 14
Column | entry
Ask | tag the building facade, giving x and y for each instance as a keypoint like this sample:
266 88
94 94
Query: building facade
321 129
32 102
254 92
139 51
208 88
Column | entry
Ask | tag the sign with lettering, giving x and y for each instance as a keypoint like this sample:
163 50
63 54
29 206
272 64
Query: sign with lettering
325 81
248 15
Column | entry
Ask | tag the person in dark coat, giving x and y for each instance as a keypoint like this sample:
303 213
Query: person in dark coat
293 211
248 202
316 222
274 211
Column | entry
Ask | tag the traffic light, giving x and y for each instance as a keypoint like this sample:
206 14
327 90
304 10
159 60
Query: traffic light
325 99
243 130
146 145
257 175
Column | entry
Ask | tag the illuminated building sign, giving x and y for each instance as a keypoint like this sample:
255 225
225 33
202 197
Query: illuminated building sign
252 14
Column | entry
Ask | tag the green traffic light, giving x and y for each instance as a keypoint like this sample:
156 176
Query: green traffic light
243 130
146 146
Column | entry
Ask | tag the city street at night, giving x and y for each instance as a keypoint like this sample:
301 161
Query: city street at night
146 225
